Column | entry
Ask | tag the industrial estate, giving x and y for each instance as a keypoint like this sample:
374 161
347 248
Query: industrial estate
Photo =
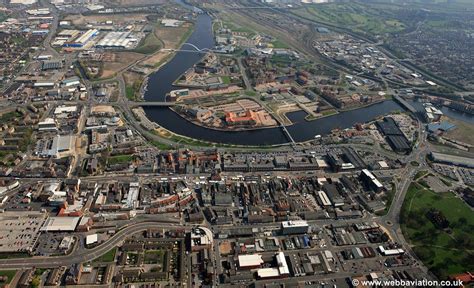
249 143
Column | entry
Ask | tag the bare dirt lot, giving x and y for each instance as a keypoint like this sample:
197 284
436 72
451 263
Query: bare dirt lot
80 20
464 131
136 2
131 77
170 38
156 59
118 61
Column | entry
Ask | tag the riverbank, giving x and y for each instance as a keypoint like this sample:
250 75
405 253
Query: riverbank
223 129
161 83
188 141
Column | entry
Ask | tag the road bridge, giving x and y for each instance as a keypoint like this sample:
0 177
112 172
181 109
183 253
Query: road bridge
152 104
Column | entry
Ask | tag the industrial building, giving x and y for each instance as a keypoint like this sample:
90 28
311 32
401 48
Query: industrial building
51 65
268 273
48 125
24 2
250 261
118 40
390 252
131 200
62 146
65 110
371 181
60 224
443 126
73 81
333 194
452 160
92 239
281 271
82 40
294 227
324 198
431 113
395 137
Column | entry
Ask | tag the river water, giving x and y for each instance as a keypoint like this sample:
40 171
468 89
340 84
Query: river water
161 82
455 114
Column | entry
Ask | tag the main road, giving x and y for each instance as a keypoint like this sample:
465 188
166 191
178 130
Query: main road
85 255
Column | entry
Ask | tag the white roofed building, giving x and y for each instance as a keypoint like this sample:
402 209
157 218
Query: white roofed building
92 239
294 227
62 146
60 224
371 180
250 261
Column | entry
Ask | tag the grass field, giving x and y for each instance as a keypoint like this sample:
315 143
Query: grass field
132 89
120 159
444 253
355 16
279 44
161 146
236 28
250 93
225 79
9 273
149 45
154 257
7 117
463 132
107 257
130 92
329 112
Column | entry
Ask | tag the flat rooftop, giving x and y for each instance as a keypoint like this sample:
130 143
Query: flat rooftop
56 224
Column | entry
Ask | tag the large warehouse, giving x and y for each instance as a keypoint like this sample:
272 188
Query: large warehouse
60 224
250 261
452 159
118 40
395 137
62 146
82 40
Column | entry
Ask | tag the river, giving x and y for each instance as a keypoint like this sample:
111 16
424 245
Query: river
161 82
455 114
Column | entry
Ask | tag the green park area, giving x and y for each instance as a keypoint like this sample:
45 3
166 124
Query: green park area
120 159
237 28
10 116
444 251
154 257
107 257
7 156
9 274
279 44
226 79
131 91
355 16
149 45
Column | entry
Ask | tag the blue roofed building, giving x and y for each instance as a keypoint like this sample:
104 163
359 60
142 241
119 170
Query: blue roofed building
443 126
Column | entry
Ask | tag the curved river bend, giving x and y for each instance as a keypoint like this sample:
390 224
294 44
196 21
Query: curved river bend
161 82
